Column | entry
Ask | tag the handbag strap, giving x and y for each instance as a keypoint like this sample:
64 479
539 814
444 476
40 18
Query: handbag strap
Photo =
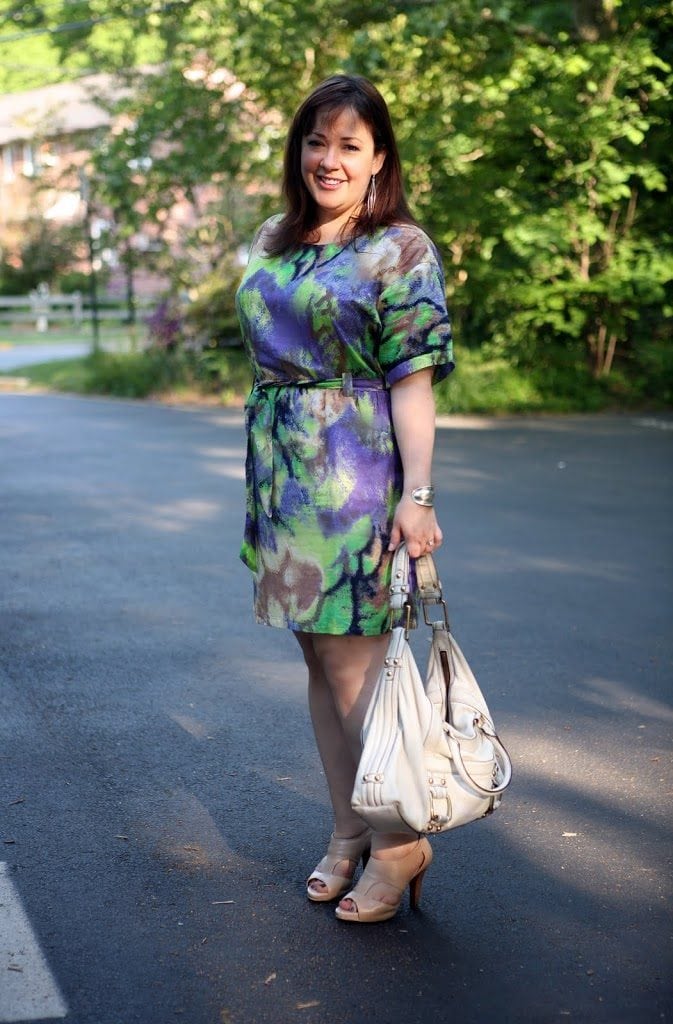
400 588
427 580
428 585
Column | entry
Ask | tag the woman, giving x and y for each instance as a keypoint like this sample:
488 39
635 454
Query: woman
344 319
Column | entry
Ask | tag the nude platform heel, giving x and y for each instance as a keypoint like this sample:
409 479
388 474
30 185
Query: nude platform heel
391 876
339 850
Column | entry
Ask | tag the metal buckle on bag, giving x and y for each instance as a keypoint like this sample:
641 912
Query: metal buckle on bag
409 623
407 619
393 615
435 601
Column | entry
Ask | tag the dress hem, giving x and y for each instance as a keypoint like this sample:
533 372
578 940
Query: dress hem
315 632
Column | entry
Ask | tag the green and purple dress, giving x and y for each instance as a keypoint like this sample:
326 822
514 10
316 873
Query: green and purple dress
328 329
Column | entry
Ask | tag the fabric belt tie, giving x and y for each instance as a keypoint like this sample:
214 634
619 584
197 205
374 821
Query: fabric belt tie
262 409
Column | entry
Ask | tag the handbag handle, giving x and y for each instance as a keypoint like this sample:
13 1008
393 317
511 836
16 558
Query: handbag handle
503 761
429 590
428 584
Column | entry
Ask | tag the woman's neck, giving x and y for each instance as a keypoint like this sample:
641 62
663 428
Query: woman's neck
335 230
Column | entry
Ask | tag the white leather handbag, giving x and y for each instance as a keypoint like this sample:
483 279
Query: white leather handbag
431 759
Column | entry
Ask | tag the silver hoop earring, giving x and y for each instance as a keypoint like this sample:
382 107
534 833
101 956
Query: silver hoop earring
371 196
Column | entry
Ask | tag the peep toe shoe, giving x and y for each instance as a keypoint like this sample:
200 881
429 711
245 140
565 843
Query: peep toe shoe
388 878
338 852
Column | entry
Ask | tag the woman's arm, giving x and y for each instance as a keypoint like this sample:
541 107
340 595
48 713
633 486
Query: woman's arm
413 412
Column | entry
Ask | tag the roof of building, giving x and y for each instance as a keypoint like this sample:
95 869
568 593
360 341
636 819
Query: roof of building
61 109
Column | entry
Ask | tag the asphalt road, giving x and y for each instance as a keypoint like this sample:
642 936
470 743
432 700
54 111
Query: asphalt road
15 356
161 801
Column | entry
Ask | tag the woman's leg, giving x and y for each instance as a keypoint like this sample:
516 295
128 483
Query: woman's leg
338 757
342 675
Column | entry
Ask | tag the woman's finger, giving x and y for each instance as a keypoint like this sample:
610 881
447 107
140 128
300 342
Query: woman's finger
395 537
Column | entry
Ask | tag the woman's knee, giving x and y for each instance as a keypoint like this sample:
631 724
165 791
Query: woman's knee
307 644
331 653
347 660
343 661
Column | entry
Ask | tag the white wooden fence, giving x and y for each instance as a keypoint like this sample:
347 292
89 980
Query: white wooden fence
42 308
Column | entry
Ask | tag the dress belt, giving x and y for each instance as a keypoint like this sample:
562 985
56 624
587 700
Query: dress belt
262 406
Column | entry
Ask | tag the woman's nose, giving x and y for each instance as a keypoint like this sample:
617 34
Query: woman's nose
330 160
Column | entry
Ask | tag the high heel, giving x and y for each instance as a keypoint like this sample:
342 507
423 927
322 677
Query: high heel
392 876
339 850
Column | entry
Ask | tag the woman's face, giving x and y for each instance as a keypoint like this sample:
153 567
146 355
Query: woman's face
337 162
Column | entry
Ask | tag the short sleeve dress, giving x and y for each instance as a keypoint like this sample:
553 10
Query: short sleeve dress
328 329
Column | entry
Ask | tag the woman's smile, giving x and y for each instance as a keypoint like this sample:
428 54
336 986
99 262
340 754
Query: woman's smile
338 160
329 183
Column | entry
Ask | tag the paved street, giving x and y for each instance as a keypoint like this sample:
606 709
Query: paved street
27 355
13 357
161 801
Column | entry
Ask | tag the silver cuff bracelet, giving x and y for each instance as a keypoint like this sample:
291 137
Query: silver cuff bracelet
424 495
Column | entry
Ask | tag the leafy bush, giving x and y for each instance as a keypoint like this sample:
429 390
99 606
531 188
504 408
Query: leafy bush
226 372
210 319
43 252
652 372
73 281
484 385
132 374
165 326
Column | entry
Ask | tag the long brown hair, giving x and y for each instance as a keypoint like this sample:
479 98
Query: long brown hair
335 94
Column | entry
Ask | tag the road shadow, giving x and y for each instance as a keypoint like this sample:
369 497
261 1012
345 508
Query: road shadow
171 800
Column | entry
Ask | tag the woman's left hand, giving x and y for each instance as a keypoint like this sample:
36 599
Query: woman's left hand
417 526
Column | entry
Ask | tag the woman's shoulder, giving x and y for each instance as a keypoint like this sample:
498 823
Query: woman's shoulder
412 236
264 232
406 245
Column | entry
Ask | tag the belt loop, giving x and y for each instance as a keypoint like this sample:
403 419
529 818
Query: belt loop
347 384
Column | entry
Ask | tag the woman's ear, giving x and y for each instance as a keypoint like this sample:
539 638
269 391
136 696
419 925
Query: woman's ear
379 160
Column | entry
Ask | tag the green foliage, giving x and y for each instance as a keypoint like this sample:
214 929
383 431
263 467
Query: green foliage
542 171
650 377
72 281
225 372
70 375
44 252
482 385
210 318
132 374
536 146
126 375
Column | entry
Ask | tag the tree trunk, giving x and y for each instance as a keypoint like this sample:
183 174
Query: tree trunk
610 354
599 364
595 19
130 287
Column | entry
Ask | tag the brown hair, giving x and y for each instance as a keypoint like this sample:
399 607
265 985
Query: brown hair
331 97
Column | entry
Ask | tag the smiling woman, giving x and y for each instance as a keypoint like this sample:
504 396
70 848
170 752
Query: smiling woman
344 320
338 166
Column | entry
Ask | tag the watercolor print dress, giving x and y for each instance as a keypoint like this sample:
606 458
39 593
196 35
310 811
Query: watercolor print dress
328 329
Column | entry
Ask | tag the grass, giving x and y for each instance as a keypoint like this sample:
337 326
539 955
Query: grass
59 375
110 333
169 375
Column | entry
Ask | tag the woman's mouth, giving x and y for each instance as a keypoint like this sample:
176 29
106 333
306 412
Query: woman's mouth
330 183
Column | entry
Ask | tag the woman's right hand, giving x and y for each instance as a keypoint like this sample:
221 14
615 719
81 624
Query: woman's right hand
417 526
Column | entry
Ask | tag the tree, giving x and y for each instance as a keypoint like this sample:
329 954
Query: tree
535 140
543 165
42 255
